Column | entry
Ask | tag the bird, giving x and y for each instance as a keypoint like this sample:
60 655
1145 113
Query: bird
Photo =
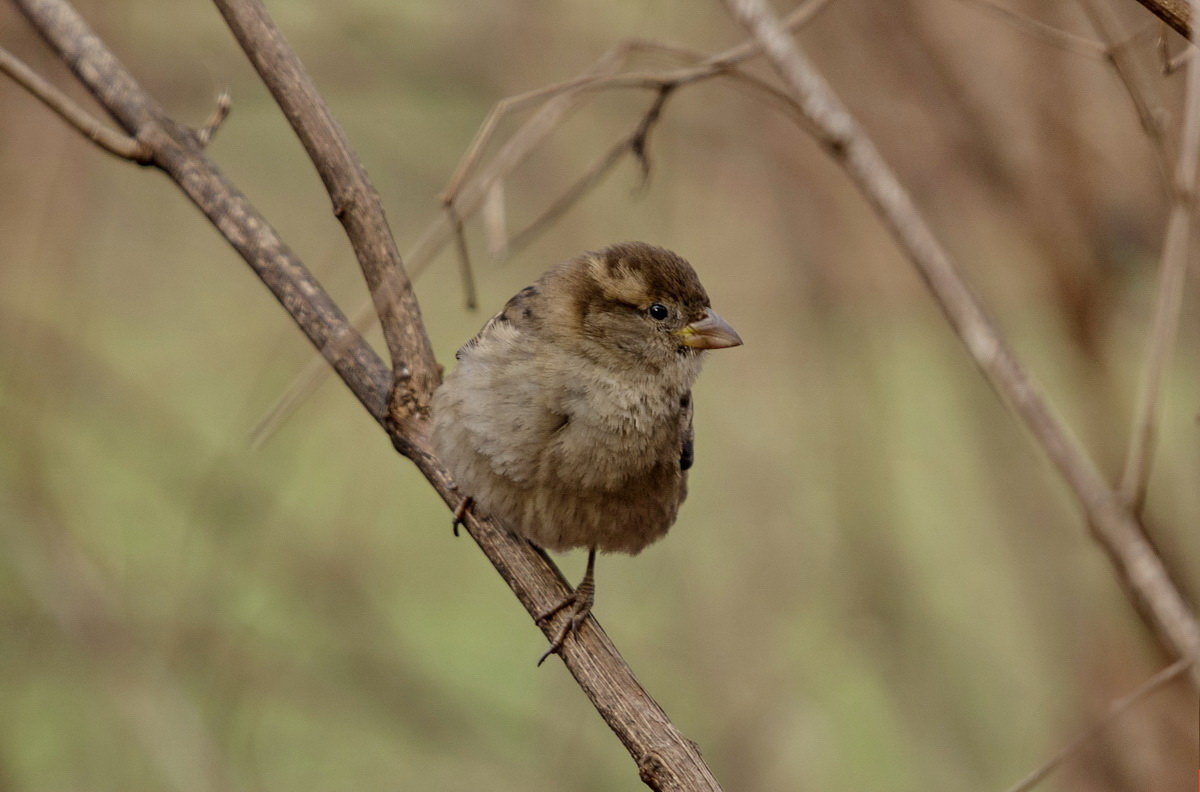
568 417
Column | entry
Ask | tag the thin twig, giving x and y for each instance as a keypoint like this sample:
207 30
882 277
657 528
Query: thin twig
634 143
1126 67
495 220
84 122
1167 305
1136 562
206 133
1176 13
666 760
591 177
464 257
1170 64
601 76
468 193
1115 711
315 372
1059 38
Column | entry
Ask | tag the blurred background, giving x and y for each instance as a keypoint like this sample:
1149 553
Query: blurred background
878 581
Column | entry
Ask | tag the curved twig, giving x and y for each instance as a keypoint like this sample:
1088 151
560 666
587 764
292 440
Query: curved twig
84 122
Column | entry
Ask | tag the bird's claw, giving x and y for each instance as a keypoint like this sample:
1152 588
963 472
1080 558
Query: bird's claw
460 512
580 604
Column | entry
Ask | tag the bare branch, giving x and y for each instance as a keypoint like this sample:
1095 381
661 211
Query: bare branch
176 150
1168 303
1137 564
464 257
601 75
1126 68
1115 711
495 220
1172 64
560 99
1169 299
1059 38
634 143
666 760
88 125
1176 13
355 201
591 177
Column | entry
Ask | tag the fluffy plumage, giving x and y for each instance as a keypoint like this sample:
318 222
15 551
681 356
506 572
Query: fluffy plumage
569 416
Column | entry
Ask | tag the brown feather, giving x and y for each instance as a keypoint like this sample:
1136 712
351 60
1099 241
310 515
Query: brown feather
569 416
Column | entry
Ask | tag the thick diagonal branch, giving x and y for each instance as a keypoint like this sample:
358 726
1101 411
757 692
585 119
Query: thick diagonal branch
666 760
1137 563
1176 13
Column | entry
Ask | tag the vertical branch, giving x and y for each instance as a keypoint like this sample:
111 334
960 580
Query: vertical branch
355 201
1136 562
1168 302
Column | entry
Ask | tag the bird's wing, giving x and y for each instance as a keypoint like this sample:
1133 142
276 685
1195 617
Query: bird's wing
687 450
516 312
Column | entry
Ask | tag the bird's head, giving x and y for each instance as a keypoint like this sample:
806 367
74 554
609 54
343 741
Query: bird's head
637 305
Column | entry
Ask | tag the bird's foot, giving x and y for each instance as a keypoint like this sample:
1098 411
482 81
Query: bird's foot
460 512
578 605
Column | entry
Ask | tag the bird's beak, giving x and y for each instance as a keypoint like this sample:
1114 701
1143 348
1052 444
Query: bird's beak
709 332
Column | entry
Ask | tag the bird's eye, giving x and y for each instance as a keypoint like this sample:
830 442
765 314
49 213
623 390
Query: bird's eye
658 311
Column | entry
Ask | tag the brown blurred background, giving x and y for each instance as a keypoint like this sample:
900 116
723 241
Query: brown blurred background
878 581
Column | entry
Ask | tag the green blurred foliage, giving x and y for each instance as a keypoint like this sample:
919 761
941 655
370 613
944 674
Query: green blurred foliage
878 581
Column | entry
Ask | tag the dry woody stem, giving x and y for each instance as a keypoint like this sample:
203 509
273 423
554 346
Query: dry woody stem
1176 13
88 125
1168 303
665 759
396 396
1114 526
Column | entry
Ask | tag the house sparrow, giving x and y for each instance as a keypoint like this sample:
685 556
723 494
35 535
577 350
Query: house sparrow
569 416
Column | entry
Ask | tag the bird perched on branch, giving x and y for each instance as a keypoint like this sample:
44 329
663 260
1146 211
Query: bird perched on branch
569 416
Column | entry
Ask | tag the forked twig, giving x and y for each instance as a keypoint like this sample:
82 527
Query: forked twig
666 760
468 191
356 203
1126 67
